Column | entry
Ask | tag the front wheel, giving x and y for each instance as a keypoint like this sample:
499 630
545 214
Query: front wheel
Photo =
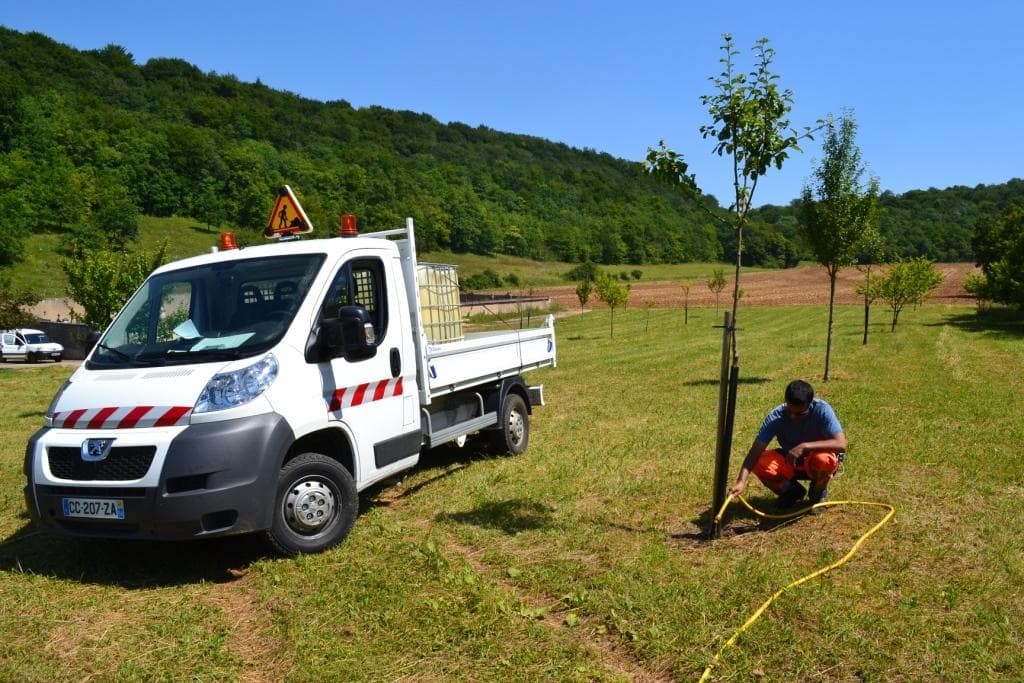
513 434
315 506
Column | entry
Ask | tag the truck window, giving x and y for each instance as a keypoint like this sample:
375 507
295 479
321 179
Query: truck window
360 283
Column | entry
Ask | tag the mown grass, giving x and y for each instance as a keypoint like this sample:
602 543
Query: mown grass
583 559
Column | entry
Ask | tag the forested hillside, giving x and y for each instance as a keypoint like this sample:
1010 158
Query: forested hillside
936 224
89 140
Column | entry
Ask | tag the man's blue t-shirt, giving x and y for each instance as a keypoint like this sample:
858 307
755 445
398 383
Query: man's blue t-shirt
819 423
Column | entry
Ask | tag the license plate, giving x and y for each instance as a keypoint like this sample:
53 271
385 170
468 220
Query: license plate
94 508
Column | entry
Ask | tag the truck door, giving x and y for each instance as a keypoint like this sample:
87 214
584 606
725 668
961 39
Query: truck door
373 395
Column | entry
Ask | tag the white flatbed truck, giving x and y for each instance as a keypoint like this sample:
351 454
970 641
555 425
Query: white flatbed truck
260 389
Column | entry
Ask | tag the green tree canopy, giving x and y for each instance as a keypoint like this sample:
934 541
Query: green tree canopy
101 280
999 246
14 305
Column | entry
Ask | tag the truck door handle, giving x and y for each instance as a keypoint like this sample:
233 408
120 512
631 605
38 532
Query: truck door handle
396 363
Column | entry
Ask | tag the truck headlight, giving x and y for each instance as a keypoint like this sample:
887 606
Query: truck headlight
229 389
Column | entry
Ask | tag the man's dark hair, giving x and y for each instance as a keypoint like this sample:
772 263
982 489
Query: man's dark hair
799 392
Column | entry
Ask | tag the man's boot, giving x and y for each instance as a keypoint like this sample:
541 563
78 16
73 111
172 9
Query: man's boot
818 496
792 492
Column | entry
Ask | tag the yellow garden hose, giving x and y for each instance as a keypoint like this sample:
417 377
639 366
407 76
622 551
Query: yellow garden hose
760 610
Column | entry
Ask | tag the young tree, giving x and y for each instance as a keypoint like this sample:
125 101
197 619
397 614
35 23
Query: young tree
871 253
907 282
649 304
716 284
749 125
613 293
583 290
837 211
685 285
100 280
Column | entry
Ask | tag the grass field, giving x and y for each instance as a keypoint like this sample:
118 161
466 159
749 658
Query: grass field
582 559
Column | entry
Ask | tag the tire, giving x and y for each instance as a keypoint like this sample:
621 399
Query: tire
30 357
58 359
315 505
513 433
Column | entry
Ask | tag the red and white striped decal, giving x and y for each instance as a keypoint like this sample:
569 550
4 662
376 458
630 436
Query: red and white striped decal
122 418
349 397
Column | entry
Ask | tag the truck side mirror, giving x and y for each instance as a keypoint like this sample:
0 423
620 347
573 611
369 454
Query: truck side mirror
351 335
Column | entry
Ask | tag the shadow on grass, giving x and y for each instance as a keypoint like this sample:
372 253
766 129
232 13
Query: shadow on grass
736 521
137 564
509 516
1000 323
130 564
437 463
716 382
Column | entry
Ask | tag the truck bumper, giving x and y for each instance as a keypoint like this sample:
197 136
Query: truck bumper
210 479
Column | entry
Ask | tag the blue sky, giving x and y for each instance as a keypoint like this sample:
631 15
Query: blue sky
937 88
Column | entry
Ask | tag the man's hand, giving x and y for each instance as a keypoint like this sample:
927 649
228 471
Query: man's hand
737 488
795 453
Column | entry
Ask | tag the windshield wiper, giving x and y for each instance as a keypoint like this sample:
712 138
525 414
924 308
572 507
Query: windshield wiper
120 353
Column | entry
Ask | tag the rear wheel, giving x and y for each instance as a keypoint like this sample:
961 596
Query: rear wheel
513 434
315 506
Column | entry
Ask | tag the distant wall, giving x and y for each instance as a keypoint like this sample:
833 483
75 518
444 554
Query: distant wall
69 335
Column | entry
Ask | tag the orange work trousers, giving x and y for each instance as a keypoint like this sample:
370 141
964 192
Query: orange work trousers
774 470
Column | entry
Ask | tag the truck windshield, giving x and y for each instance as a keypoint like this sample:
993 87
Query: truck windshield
232 309
37 339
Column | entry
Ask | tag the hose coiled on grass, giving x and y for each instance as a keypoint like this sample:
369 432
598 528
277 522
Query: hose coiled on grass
760 610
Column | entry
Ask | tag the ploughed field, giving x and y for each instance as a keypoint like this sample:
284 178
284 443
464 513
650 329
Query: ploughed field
803 286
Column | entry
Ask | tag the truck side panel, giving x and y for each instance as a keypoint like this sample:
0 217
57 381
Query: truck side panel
486 357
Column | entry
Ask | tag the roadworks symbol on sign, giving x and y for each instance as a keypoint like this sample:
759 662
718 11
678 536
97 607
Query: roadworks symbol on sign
287 218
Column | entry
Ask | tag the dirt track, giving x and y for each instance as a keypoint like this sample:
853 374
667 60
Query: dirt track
804 286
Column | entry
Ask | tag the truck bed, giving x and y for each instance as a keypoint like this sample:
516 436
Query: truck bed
487 356
450 366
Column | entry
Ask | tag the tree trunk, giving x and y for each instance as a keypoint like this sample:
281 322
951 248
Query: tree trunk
736 285
831 308
867 318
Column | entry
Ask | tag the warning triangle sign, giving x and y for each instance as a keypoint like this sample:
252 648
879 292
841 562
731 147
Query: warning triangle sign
287 217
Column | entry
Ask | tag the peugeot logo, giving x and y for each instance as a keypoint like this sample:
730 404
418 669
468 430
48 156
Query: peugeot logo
95 450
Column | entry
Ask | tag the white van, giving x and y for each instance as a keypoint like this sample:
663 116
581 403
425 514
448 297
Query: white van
28 345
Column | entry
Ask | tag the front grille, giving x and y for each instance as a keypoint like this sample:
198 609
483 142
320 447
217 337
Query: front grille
124 463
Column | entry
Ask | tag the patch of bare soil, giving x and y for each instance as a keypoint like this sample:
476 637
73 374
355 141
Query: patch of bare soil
252 637
805 286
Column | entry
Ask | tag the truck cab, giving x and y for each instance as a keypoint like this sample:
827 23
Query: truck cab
28 345
261 389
